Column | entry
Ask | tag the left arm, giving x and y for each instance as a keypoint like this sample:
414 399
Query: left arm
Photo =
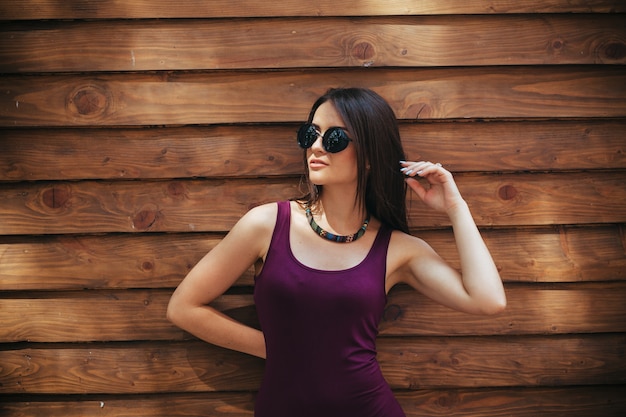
478 287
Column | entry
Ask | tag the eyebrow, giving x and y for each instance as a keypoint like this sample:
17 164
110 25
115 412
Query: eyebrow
345 129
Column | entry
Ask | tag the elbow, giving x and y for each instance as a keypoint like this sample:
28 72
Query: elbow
173 312
494 307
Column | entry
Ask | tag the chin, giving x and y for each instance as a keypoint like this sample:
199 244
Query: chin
316 179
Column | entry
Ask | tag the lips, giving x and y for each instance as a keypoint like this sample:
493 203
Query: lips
317 163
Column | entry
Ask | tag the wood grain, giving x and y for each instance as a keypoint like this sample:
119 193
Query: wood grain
235 97
76 262
137 9
211 152
313 42
159 206
489 362
215 205
581 401
133 134
574 308
162 405
102 261
434 362
135 368
607 401
270 150
140 314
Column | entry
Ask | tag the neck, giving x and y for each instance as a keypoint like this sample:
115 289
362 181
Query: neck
338 211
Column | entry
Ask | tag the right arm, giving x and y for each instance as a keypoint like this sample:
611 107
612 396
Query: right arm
246 243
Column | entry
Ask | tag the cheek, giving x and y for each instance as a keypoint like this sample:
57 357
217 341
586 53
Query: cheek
349 163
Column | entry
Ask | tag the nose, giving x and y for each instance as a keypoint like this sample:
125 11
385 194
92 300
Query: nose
318 145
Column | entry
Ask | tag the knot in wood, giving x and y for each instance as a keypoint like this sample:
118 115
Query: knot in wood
176 190
507 192
614 51
145 218
56 197
147 266
557 44
392 312
89 101
448 401
363 51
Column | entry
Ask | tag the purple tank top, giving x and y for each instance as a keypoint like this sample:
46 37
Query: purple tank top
320 332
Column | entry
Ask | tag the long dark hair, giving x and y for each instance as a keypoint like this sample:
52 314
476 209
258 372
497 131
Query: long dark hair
374 131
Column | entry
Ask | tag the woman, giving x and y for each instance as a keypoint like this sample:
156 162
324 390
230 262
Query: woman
325 263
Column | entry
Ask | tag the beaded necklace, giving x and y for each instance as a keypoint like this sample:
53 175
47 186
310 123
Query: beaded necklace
333 237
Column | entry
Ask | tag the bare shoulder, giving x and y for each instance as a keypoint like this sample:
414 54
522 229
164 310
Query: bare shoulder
404 243
255 228
261 217
403 250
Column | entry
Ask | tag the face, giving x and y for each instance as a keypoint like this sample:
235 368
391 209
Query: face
327 168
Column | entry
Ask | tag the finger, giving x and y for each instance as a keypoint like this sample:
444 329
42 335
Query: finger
421 168
410 168
416 187
429 169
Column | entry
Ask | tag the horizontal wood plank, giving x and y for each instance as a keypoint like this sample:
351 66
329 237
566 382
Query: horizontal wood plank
102 261
138 368
140 315
532 199
607 401
87 207
313 42
530 145
165 153
138 9
236 97
270 150
433 362
226 404
584 401
519 361
539 309
215 205
561 254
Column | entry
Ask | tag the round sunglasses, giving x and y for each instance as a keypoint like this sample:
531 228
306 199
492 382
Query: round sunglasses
334 140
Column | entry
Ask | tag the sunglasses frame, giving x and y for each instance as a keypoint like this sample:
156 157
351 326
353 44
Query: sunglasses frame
334 140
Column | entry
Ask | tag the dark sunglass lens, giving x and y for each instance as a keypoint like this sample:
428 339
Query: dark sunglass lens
307 135
335 140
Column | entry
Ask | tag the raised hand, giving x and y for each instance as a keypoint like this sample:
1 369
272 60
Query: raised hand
441 193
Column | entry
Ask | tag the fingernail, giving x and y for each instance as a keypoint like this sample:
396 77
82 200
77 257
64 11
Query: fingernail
408 172
419 172
402 162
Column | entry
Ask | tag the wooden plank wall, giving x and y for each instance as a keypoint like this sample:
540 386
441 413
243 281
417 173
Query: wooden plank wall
134 133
